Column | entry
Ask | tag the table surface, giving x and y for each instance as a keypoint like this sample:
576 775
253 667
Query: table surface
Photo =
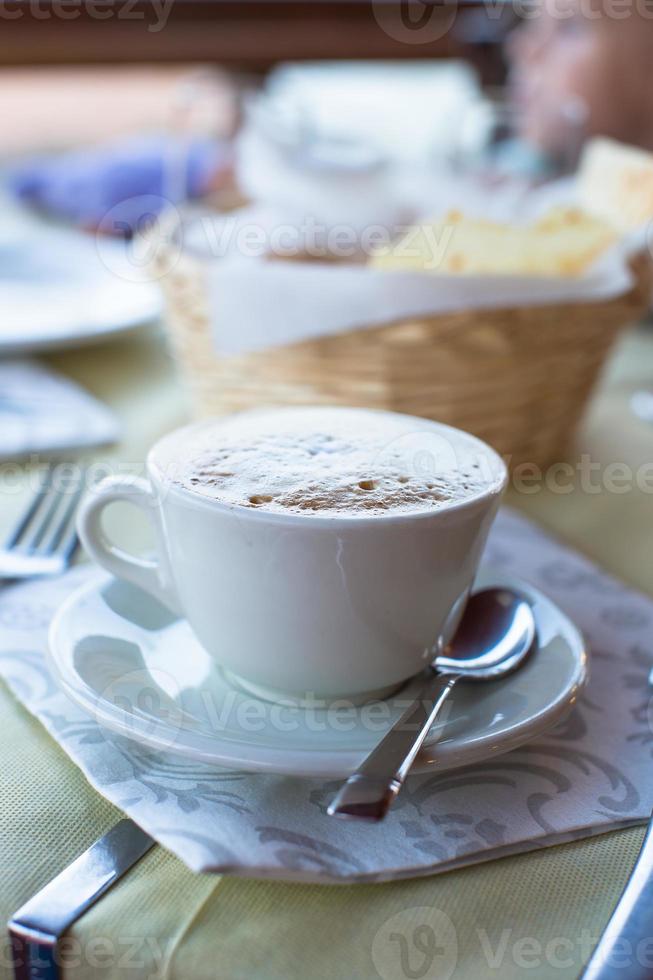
536 915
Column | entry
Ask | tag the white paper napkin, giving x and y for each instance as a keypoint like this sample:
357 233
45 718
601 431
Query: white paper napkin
256 304
590 775
43 412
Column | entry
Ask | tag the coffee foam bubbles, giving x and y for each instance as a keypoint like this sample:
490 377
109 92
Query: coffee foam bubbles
328 461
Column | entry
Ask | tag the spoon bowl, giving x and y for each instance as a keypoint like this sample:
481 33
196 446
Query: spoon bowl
496 632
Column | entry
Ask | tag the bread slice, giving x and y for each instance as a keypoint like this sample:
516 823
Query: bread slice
562 243
615 182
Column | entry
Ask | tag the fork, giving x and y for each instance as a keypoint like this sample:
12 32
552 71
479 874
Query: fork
44 539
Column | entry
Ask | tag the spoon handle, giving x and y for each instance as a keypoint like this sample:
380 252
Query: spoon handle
369 793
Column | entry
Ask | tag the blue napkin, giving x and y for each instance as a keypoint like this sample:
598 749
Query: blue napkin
137 175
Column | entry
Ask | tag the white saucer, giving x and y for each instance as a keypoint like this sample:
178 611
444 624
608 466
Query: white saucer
140 671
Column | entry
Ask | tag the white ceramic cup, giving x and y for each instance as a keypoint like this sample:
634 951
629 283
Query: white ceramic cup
305 606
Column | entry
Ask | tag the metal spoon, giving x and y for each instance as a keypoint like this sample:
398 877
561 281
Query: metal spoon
495 635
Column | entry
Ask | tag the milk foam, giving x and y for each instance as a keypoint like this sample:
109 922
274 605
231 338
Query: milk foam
328 461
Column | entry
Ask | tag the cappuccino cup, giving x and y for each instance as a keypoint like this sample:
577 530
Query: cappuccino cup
317 553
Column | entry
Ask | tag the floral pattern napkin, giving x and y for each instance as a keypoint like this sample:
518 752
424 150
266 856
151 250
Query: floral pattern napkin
589 775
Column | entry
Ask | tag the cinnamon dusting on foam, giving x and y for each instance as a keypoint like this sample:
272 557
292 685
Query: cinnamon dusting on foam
330 461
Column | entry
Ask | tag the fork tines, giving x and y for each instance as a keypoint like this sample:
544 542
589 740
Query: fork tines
47 527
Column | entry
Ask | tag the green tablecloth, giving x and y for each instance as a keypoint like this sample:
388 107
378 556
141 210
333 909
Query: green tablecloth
534 916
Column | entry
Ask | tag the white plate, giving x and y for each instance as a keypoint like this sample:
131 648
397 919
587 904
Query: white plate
140 671
57 291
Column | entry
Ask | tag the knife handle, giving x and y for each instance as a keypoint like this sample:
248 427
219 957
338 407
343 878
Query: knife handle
625 950
36 928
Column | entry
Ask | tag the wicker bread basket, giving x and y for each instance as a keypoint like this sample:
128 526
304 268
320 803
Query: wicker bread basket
519 378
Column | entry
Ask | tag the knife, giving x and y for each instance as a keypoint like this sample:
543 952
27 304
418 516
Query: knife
36 928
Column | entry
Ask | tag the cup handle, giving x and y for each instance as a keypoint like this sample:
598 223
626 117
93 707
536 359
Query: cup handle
152 576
